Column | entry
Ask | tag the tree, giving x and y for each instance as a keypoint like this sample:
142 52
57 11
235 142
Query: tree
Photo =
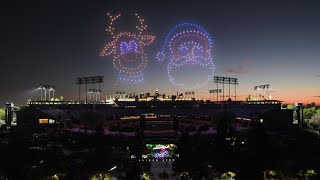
315 120
316 117
228 175
309 112
289 106
307 173
313 104
2 114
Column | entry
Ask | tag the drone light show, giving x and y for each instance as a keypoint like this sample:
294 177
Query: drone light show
188 50
127 50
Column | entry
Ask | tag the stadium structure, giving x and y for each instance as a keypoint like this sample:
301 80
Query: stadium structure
157 120
124 110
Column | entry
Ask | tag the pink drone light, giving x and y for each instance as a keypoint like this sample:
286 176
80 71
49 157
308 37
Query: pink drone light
127 49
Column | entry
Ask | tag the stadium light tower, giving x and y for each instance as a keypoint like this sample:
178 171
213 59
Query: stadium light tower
52 88
46 88
99 95
45 92
89 80
95 93
41 88
215 91
260 88
229 81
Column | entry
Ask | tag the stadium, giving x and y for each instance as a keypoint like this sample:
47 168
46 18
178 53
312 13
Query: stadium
129 112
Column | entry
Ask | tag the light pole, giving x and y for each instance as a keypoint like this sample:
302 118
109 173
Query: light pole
46 88
40 88
45 94
52 88
9 115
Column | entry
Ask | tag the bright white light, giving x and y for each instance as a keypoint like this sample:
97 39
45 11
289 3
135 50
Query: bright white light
160 147
112 168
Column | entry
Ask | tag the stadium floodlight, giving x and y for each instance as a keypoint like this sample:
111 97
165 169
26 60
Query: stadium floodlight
94 94
89 80
260 88
52 89
215 91
90 91
41 88
120 94
46 88
190 93
226 80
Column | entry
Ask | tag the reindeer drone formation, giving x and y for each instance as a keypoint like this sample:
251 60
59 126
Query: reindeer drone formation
127 49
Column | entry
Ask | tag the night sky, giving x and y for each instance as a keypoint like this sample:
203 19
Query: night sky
260 42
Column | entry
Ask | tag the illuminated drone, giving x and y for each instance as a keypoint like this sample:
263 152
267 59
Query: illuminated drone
127 49
188 45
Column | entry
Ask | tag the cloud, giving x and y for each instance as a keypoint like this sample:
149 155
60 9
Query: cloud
317 96
240 69
318 75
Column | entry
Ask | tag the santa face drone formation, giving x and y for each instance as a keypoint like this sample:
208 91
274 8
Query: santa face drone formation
127 49
187 50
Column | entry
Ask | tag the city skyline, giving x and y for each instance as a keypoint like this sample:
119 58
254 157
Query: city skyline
265 42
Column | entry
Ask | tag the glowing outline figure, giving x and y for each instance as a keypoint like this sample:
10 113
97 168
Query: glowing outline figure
161 154
187 44
127 49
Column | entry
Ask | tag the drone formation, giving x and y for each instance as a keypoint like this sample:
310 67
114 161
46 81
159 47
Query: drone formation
127 49
186 45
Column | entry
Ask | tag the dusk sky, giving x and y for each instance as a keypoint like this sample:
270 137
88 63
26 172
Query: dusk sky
260 42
